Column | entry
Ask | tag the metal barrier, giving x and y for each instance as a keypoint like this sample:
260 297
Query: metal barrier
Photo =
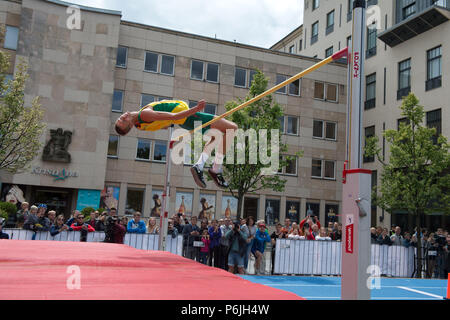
305 257
143 241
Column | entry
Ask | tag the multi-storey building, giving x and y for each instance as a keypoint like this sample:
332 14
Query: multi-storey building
87 75
405 52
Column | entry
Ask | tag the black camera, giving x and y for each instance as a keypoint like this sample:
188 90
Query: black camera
236 226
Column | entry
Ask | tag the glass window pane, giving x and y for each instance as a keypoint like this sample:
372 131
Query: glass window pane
250 79
330 130
371 37
192 103
316 168
146 99
330 19
11 37
167 64
328 52
151 62
281 119
331 92
135 201
212 72
329 169
318 129
210 108
240 77
319 88
143 149
280 79
121 60
159 153
113 145
315 29
117 100
292 125
291 167
197 70
294 88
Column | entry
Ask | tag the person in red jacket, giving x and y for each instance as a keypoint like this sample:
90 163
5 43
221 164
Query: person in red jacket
310 219
80 225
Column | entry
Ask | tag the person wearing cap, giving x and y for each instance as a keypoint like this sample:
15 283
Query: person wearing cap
259 244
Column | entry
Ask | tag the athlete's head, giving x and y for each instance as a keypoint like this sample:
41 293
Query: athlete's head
124 123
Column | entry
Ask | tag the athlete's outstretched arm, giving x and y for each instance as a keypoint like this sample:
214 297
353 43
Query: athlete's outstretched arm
148 115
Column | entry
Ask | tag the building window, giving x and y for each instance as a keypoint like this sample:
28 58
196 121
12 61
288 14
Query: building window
349 10
404 78
199 72
113 146
371 41
324 169
315 32
294 88
6 80
135 201
143 149
292 125
11 38
209 107
250 78
300 45
371 82
117 101
151 62
330 23
329 52
402 121
324 129
332 92
368 133
122 53
167 64
292 49
240 77
408 9
280 79
291 166
159 63
434 120
315 4
349 39
434 69
146 99
319 90
159 151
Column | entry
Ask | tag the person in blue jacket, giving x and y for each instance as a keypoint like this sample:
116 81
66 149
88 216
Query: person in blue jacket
136 225
259 244
214 247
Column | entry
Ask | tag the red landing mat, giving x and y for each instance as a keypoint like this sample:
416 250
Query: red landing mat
39 270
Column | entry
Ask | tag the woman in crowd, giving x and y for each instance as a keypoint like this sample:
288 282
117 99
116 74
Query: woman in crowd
251 237
152 227
58 226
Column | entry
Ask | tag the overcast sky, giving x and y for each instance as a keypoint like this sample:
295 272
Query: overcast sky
260 23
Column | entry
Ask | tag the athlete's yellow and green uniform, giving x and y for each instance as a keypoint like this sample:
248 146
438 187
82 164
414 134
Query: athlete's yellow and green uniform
173 106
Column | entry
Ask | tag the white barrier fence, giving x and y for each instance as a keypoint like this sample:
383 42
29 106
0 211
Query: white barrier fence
303 257
139 241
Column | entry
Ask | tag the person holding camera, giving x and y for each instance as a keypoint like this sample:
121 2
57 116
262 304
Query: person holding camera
84 228
191 233
171 230
238 245
214 247
311 219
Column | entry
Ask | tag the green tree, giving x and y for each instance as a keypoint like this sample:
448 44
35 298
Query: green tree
416 176
249 178
20 126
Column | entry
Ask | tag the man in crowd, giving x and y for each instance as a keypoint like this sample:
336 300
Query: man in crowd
73 217
191 233
287 226
2 234
396 238
80 225
214 246
136 225
51 217
238 248
177 223
224 243
36 220
22 214
171 230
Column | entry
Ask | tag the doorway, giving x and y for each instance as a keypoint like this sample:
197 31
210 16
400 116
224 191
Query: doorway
58 200
251 208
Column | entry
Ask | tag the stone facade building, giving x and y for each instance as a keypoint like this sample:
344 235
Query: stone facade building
87 75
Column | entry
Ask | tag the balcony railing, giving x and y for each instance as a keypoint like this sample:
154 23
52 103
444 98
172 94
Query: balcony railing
433 83
329 29
369 104
371 52
403 92
314 39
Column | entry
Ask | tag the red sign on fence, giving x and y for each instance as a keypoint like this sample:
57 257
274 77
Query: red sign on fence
349 235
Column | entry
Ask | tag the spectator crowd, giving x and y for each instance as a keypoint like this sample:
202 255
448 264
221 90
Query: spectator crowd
223 243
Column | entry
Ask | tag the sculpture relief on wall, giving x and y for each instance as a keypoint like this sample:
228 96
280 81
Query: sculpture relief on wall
56 147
